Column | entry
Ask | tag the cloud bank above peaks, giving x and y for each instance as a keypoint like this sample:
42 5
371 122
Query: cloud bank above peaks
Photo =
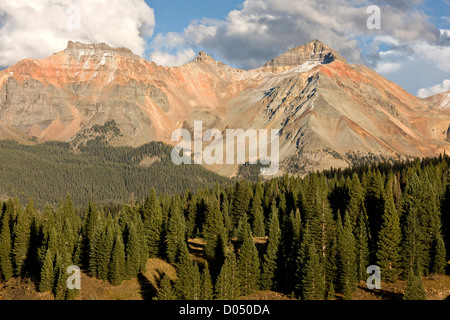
40 27
262 29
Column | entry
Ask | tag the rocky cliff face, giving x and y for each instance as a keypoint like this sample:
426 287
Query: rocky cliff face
330 113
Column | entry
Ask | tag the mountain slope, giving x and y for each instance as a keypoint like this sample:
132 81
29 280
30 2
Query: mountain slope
330 113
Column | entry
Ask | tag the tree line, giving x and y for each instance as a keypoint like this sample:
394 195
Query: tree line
311 237
47 172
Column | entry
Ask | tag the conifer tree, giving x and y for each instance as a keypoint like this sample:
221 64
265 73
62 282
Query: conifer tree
346 257
184 284
356 198
176 231
361 233
133 253
241 201
207 289
21 242
257 216
415 246
414 287
47 273
196 283
117 265
248 264
165 291
153 224
330 292
374 204
90 224
21 239
142 242
290 242
60 286
439 258
389 240
412 248
322 224
332 266
103 250
228 284
214 230
241 230
302 258
313 279
269 264
6 266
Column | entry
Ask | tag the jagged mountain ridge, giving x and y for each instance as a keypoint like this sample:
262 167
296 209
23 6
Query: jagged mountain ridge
329 112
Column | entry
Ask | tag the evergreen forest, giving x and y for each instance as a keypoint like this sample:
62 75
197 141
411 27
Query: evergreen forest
311 238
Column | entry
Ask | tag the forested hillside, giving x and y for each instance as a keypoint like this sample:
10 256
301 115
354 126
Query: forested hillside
311 238
48 172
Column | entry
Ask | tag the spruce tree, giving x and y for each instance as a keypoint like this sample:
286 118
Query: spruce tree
330 292
241 201
6 266
214 230
412 247
374 204
196 283
248 264
332 267
47 273
90 224
21 242
103 249
414 287
361 233
176 231
269 265
302 258
228 284
117 265
133 253
60 278
313 278
153 224
290 242
165 291
416 237
439 258
184 284
257 216
207 289
322 223
346 258
389 241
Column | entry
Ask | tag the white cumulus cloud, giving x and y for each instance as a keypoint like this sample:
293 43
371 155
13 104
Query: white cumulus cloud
431 91
261 29
169 60
37 28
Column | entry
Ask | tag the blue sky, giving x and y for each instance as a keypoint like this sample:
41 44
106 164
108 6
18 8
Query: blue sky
412 48
175 15
399 53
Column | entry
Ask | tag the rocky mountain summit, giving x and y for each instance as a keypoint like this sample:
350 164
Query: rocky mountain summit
330 112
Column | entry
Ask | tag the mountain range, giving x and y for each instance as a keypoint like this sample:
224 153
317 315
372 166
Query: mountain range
330 113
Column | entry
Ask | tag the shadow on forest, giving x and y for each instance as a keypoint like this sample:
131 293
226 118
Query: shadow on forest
148 291
386 295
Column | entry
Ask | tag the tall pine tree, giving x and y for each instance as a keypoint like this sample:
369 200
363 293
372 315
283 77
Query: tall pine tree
389 241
